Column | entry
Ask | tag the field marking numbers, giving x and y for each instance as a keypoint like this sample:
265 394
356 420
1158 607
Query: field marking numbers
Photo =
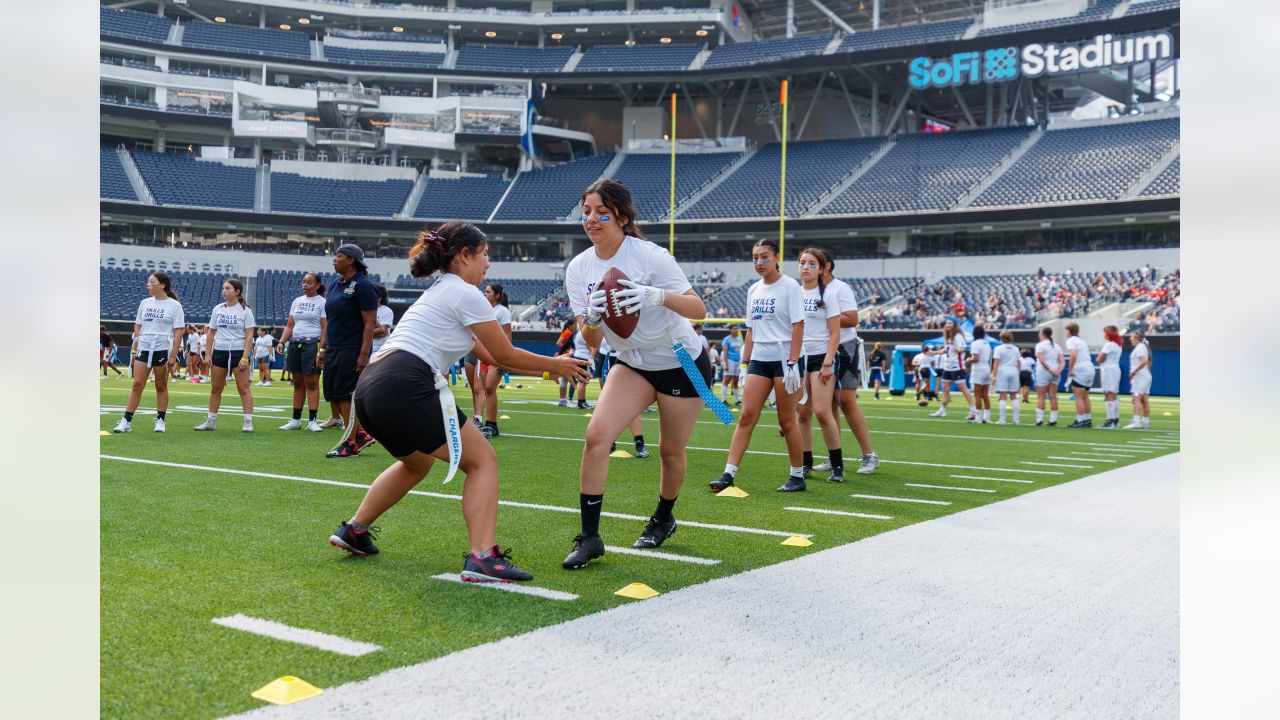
898 499
301 636
944 487
844 513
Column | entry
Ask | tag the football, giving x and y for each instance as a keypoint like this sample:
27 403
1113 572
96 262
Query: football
618 321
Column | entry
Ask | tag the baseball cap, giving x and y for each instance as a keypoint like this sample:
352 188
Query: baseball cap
354 252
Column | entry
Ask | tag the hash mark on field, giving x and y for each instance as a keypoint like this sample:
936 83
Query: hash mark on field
1078 459
945 487
898 499
288 633
510 587
660 555
1080 467
824 511
1121 450
980 477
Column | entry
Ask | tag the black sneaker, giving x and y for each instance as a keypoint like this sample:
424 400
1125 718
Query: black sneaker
344 449
495 568
489 431
1077 424
1039 423
722 482
478 422
582 405
836 476
356 542
1053 423
793 484
1086 423
363 440
585 549
808 472
642 451
655 533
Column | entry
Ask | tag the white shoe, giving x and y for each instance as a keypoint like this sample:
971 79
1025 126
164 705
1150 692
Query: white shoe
259 383
999 422
102 377
868 464
267 384
208 424
332 423
563 403
292 425
123 426
1134 425
313 426
824 467
247 427
940 412
159 427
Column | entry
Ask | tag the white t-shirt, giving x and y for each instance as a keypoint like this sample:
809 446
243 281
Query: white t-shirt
1140 353
581 350
158 319
307 312
845 301
981 350
816 333
384 316
771 311
502 313
202 341
649 347
919 360
951 353
1112 350
230 326
605 349
437 327
193 341
1008 356
714 356
1052 356
1027 363
262 346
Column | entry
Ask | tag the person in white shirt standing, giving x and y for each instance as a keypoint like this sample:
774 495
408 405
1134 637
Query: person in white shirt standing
1081 371
490 374
300 344
821 343
1140 381
1048 370
1006 366
1109 362
980 373
158 331
849 365
231 335
772 352
192 342
264 353
402 399
953 363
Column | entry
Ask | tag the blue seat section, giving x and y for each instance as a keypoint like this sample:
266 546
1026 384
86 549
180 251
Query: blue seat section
1141 7
258 41
612 58
905 35
465 198
1100 10
322 196
1168 182
278 288
182 180
121 289
927 172
112 182
520 291
763 51
134 25
649 178
549 193
512 59
382 58
813 168
1094 163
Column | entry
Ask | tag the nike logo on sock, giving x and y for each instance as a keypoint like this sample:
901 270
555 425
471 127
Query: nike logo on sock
593 503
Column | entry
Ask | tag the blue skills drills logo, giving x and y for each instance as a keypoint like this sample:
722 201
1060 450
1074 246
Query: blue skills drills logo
1000 64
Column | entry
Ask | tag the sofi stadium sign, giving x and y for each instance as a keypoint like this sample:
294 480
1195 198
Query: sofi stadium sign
1037 59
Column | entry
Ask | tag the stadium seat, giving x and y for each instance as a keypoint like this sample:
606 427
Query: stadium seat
133 25
113 184
323 196
467 198
256 41
621 58
550 193
182 180
512 59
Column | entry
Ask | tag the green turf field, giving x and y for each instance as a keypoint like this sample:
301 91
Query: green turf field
225 523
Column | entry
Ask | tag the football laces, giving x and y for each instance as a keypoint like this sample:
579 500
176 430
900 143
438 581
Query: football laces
614 304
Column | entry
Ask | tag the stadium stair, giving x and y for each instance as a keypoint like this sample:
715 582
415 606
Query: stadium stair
1121 8
1153 172
848 182
498 205
135 177
262 189
967 199
175 34
574 59
694 198
415 196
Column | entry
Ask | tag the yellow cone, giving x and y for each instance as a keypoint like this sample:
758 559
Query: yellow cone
587 415
286 690
104 432
733 491
638 591
620 454
1167 413
504 417
797 541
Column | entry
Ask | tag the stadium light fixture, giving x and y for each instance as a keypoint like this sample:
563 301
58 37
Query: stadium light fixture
286 26
664 40
1046 224
700 32
629 42
557 36
219 19
397 29
304 21
490 34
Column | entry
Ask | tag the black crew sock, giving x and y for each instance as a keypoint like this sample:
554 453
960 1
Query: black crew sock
311 414
808 458
590 505
837 459
160 414
639 441
128 417
297 413
492 423
665 506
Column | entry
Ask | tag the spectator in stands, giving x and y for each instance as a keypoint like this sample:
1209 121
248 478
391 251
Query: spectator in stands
1048 369
230 337
264 353
157 332
491 375
300 344
351 306
107 352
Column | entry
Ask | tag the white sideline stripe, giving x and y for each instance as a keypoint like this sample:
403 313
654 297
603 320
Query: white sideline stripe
1153 444
288 633
1084 455
660 555
824 511
898 499
444 496
1081 467
979 477
1078 459
510 587
1120 450
945 487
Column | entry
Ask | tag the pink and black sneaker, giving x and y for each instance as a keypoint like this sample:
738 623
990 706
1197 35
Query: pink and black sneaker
495 567
356 542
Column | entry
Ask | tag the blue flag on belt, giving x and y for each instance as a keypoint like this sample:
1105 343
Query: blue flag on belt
700 384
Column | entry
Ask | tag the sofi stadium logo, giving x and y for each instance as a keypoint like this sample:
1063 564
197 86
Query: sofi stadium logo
1037 59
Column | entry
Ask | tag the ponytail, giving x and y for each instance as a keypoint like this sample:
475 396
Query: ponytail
163 278
318 281
239 288
436 249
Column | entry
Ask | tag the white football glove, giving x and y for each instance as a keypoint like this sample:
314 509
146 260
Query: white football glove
636 296
742 373
791 377
596 307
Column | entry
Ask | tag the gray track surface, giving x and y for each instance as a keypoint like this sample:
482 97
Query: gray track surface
1062 603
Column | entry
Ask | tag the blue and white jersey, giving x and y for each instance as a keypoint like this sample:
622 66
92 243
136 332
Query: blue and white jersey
158 319
732 348
230 325
772 308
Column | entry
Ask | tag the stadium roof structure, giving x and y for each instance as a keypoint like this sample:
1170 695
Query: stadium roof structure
769 17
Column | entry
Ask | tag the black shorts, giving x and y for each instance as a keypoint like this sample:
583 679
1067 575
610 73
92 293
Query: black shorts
848 374
152 358
604 362
300 357
340 374
953 375
1075 385
675 382
1024 378
926 374
813 363
229 359
766 368
877 374
398 404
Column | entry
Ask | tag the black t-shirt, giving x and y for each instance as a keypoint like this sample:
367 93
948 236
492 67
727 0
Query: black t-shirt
877 359
104 340
343 304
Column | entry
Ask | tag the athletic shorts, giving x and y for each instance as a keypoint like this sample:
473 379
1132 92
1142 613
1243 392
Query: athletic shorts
229 359
848 373
926 374
731 368
340 376
980 375
675 382
1111 378
1043 378
766 368
1140 384
152 358
813 363
398 404
471 359
300 357
877 374
1008 382
1083 377
1024 378
953 376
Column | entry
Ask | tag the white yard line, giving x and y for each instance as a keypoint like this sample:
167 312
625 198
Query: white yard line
980 477
945 487
444 496
1120 449
898 499
660 555
1080 467
1077 459
824 511
510 587
288 633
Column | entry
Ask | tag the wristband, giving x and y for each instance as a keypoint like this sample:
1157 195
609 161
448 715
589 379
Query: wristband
589 326
319 350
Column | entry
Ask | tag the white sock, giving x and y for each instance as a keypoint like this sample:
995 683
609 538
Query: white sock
248 417
213 417
797 471
1017 410
736 396
731 470
724 392
1039 415
1113 409
1146 421
1004 406
1053 416
986 414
